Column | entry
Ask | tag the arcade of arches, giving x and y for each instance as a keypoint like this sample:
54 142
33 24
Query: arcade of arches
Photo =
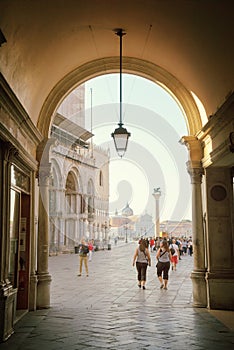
38 70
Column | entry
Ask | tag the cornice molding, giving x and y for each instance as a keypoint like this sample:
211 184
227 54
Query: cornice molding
12 106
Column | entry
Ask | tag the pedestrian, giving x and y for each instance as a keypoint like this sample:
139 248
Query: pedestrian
184 246
163 257
179 244
91 248
175 255
190 247
147 242
152 244
83 253
143 259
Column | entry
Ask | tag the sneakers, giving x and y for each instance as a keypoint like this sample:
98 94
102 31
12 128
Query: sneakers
79 275
139 285
165 288
143 287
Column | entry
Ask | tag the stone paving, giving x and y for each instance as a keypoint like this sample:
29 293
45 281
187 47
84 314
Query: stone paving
108 311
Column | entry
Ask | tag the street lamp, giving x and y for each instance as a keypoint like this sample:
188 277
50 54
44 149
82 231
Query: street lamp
120 135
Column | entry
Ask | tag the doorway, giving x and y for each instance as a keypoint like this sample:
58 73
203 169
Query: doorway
18 271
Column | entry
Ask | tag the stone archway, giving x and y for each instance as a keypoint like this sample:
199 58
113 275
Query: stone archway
193 120
131 65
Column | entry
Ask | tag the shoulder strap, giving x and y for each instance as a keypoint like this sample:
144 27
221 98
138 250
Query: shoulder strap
162 254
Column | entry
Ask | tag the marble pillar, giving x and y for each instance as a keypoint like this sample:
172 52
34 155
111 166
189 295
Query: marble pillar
44 278
195 170
199 253
33 245
157 194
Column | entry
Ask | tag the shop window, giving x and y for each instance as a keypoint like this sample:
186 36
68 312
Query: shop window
14 237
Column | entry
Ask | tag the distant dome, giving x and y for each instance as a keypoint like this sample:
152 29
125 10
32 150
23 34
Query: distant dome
127 211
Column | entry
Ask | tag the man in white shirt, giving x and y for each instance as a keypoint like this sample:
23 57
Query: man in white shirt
175 256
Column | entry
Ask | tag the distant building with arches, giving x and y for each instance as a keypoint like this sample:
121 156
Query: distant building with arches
79 183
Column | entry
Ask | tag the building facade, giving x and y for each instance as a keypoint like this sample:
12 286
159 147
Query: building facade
79 196
79 183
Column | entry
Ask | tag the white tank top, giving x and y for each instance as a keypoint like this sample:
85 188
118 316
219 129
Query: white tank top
165 257
141 256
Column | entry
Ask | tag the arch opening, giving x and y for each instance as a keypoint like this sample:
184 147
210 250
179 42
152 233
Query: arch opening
130 65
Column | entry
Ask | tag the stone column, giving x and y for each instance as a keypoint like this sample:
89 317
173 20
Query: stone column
196 171
157 195
33 245
44 278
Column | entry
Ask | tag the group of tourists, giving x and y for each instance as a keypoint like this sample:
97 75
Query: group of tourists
168 252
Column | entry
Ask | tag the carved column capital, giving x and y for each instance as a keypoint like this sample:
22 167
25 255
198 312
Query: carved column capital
44 174
194 147
195 172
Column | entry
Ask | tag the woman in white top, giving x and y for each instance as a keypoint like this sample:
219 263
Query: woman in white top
142 258
163 265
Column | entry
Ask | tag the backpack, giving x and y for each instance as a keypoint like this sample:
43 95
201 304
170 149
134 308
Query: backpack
172 251
84 249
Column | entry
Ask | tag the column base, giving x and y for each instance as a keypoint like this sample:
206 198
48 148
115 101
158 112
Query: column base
8 297
33 293
43 291
220 287
199 288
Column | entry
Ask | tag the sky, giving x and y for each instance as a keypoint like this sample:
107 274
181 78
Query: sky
154 157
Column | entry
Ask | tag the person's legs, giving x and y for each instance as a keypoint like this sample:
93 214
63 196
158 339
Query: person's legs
85 258
159 273
138 267
90 255
143 275
175 262
165 274
81 263
161 281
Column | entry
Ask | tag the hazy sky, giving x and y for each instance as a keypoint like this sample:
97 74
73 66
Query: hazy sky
154 157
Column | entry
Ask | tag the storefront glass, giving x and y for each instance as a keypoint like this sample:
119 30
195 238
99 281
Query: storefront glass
14 237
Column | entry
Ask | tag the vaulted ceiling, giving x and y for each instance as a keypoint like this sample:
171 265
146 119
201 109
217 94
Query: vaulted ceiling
48 39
